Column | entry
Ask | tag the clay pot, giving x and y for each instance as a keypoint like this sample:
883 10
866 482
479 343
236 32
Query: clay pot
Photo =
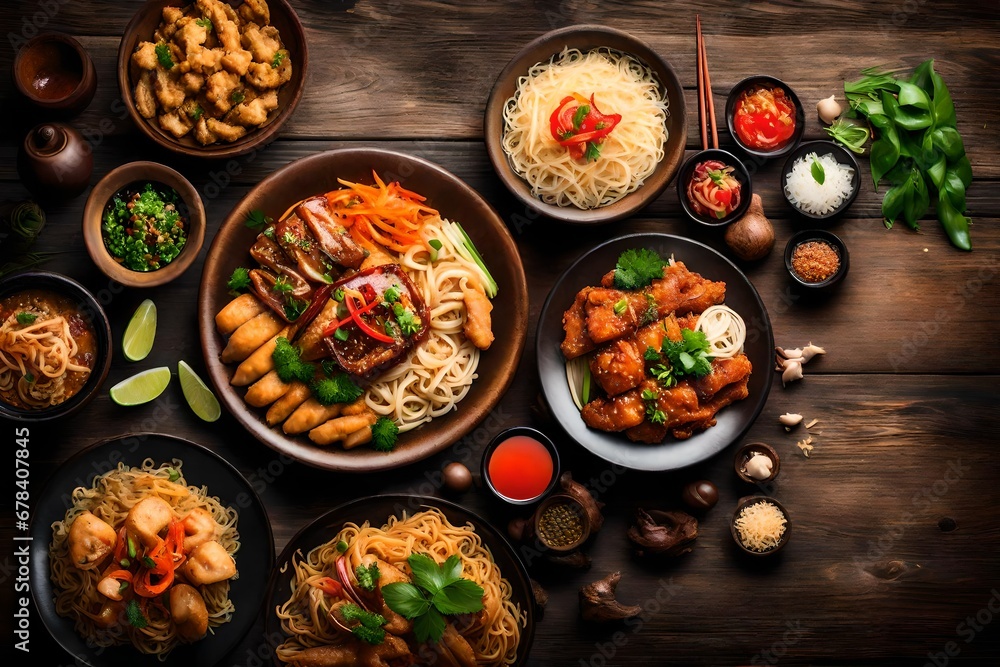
54 72
55 162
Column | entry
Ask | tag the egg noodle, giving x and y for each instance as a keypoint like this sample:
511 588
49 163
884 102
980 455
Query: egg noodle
439 372
629 154
304 615
35 358
110 498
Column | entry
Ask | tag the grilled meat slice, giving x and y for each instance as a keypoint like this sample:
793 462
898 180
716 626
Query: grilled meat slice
277 299
332 237
298 243
270 255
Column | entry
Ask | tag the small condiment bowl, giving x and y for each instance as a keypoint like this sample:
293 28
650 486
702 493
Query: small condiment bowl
742 174
817 235
506 435
54 72
800 115
746 452
576 508
93 313
821 148
746 502
93 213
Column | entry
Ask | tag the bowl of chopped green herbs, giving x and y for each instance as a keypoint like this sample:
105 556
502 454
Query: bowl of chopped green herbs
143 224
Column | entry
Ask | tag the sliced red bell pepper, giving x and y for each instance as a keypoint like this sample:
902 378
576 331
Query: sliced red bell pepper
330 586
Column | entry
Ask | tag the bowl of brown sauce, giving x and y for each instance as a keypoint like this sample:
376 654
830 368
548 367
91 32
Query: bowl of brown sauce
55 346
54 72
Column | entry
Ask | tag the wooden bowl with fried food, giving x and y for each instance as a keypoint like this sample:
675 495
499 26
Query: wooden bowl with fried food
212 79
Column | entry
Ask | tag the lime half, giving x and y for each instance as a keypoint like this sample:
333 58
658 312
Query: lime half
141 388
140 333
198 395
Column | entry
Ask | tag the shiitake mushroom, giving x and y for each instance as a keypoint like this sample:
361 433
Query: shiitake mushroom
752 236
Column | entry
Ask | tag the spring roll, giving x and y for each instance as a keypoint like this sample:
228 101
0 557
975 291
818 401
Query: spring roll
250 336
237 312
266 390
341 427
358 438
311 340
309 415
258 364
286 405
356 408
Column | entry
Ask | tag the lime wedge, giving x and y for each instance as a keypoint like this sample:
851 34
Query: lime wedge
141 330
141 388
198 395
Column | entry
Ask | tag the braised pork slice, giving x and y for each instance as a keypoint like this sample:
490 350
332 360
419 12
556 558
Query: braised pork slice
333 238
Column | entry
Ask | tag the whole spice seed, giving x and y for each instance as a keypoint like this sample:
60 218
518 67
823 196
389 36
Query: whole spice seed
560 525
815 261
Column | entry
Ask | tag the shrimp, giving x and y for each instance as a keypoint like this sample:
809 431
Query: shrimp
199 527
147 518
90 541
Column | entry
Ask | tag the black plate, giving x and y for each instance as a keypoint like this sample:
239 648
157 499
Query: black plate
377 510
254 560
733 421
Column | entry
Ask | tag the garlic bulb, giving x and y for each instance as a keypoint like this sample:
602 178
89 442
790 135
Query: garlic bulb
828 109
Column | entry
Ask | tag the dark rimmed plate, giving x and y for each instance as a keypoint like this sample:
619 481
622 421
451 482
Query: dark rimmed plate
377 510
733 421
456 201
254 560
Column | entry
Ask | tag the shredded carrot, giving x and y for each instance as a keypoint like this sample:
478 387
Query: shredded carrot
387 215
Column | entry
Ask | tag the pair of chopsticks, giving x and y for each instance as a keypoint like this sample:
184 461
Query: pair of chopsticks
706 107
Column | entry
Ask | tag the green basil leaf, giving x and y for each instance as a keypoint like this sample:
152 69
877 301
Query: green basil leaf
955 224
427 574
908 118
459 597
818 173
914 96
943 107
406 599
884 155
936 171
429 627
918 201
922 76
948 140
964 169
953 188
892 204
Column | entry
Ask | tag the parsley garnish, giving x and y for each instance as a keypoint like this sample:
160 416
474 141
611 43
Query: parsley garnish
29 378
637 268
367 576
196 113
690 355
25 319
369 628
256 219
282 286
578 115
294 308
288 363
239 281
338 294
391 295
409 323
384 434
651 313
653 412
651 354
163 55
279 57
436 591
204 23
135 616
337 389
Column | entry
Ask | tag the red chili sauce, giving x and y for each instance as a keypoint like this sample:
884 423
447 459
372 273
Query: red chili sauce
764 118
520 468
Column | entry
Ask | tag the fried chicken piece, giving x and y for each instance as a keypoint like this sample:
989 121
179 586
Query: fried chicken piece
262 43
389 574
226 28
225 131
145 56
576 341
145 99
171 22
251 113
205 61
724 372
255 11
619 366
478 325
615 414
169 92
192 82
176 123
356 654
730 394
190 35
172 14
219 89
265 77
237 62
202 134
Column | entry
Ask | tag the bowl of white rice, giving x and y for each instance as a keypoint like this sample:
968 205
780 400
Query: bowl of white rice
820 179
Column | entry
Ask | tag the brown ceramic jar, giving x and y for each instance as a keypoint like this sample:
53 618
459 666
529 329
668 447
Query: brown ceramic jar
54 72
55 162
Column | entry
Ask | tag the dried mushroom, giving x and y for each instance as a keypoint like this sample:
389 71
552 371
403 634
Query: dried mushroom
659 533
598 603
580 493
575 559
540 594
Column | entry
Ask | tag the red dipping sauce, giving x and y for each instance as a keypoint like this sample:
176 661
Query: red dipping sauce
520 468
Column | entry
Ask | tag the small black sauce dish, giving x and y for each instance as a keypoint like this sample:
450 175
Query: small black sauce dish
763 80
741 173
821 148
820 235
502 437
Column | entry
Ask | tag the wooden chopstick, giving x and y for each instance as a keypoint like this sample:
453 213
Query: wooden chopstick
701 87
705 90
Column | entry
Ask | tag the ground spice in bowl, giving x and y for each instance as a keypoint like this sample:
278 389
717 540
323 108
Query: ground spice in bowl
815 261
561 523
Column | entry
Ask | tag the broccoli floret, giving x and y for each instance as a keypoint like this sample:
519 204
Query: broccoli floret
337 389
384 434
288 363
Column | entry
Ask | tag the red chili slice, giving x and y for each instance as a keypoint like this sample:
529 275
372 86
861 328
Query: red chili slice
356 315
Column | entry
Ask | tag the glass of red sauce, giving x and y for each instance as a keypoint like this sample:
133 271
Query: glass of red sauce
520 465
764 116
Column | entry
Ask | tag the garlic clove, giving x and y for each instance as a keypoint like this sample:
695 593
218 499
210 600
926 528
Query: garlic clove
810 351
828 109
789 354
790 419
792 371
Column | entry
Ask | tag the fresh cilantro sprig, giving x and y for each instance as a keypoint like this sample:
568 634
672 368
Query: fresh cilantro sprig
163 56
436 591
384 434
689 356
367 576
279 57
239 281
637 268
256 219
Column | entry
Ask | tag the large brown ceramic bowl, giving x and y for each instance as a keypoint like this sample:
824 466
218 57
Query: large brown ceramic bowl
456 201
586 38
141 28
93 214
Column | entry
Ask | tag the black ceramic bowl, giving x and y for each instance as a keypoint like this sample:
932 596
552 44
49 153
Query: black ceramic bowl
821 148
92 313
800 115
746 502
741 173
818 235
505 435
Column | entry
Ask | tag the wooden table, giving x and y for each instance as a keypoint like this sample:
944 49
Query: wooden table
896 546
